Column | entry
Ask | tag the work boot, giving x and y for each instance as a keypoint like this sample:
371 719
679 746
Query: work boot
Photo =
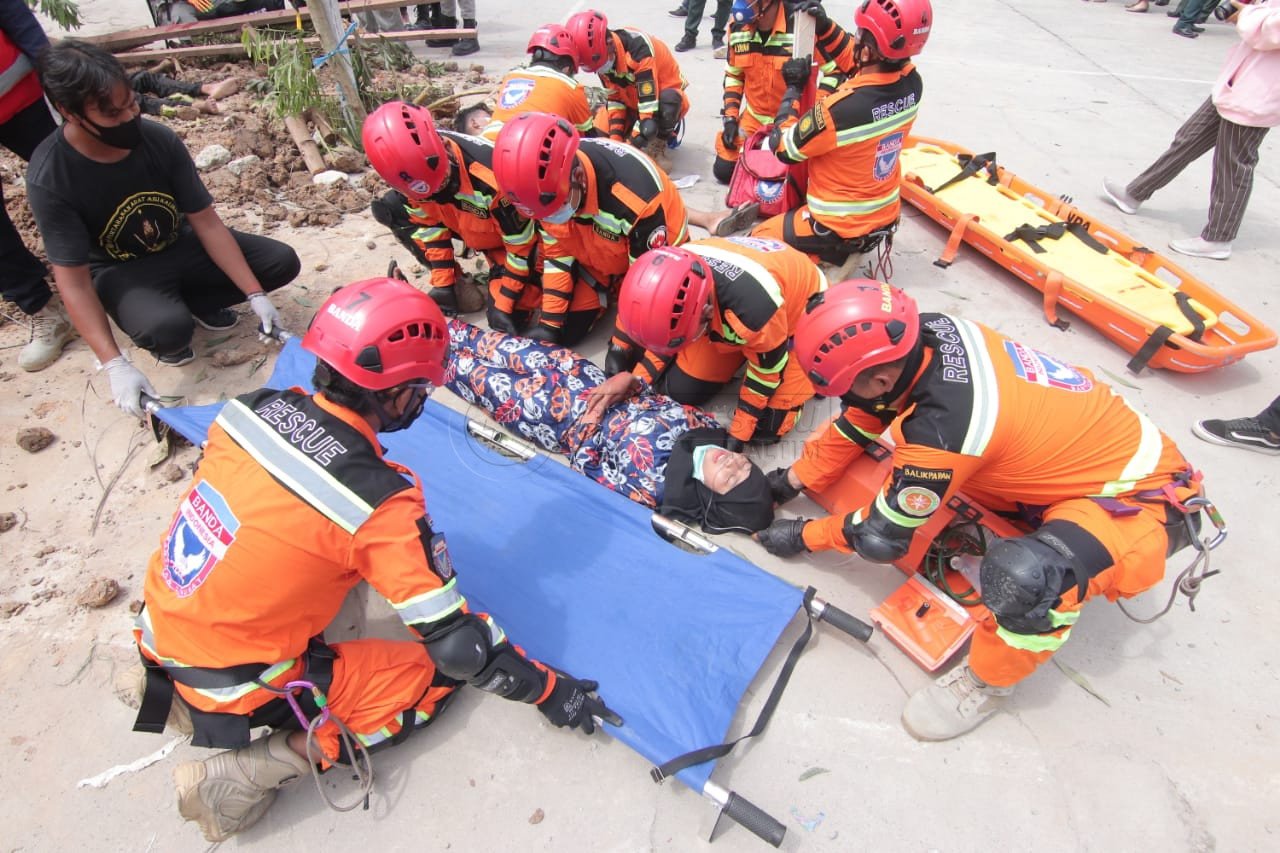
445 22
954 704
470 296
50 332
658 152
423 21
469 45
232 790
132 683
687 42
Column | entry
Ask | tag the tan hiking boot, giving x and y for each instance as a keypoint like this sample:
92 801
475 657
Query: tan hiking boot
658 152
956 703
50 332
469 294
232 790
132 683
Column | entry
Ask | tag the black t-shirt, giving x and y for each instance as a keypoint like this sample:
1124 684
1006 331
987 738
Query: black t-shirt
90 212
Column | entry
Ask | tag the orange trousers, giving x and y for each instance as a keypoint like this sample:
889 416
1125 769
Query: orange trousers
1137 545
716 363
373 682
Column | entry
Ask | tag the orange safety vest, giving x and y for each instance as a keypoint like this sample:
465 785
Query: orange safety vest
19 83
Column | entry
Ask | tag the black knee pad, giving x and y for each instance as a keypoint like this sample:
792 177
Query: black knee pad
669 104
462 651
722 169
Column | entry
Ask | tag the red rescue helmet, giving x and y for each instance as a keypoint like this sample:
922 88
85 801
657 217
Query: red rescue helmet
590 33
899 27
554 39
663 299
533 159
402 145
854 325
379 333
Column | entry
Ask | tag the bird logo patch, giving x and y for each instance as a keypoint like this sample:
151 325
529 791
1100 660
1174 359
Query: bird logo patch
1042 369
202 531
516 92
887 151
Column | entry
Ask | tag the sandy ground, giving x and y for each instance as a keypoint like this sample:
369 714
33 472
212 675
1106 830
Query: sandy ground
1181 755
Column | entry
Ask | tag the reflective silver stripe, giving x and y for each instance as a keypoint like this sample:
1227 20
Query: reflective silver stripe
13 75
1144 460
218 694
292 467
752 267
497 636
986 392
430 606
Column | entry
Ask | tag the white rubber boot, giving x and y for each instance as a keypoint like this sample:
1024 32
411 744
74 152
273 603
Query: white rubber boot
50 332
954 704
232 790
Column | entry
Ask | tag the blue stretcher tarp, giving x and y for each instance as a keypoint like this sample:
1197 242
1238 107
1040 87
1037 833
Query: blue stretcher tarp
576 575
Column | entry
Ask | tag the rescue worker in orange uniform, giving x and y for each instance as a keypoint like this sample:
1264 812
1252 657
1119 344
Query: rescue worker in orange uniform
760 41
702 309
545 85
646 90
851 138
443 182
1017 430
599 205
291 507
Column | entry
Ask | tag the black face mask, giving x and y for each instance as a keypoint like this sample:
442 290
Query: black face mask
126 136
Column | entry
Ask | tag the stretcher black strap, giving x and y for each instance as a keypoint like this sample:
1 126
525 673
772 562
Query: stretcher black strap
1192 315
1147 351
971 164
711 753
1054 231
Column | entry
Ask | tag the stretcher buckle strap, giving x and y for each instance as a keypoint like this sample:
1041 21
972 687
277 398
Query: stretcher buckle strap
971 164
712 753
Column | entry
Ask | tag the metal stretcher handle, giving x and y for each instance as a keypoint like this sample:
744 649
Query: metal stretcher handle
746 814
847 622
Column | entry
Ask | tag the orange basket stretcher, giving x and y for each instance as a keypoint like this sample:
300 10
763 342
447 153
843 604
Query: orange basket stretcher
1152 308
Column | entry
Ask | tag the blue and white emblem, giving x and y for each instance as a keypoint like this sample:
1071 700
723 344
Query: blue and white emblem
202 530
516 92
1043 369
887 151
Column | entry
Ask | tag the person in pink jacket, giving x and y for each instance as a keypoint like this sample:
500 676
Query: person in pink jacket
1244 105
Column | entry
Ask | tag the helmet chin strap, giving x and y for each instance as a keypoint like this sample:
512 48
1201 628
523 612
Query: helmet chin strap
390 422
900 387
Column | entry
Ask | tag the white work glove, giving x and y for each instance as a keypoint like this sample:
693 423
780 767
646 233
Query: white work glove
268 316
128 385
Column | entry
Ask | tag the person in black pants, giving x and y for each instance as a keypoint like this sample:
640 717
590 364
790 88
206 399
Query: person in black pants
130 229
693 11
1189 13
25 121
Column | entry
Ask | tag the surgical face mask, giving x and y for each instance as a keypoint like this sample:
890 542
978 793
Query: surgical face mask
561 216
126 136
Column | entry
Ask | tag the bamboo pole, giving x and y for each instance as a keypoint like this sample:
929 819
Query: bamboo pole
328 24
327 133
306 145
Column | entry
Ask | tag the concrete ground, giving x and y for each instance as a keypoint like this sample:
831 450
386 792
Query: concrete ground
1178 749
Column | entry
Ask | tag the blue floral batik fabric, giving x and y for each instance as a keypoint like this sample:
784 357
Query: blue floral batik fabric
536 391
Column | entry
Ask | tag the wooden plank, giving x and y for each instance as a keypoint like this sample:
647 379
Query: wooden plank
236 49
127 39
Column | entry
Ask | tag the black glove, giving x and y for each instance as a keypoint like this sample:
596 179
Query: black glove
729 136
571 704
620 358
500 321
784 538
545 333
780 486
735 445
446 299
795 72
813 8
647 129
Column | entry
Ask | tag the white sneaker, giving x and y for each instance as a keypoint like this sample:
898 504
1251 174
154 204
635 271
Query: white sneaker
1116 195
1198 247
50 332
954 704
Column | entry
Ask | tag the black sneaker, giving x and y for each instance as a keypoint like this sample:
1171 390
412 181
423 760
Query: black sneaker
1247 433
717 42
217 321
177 359
680 11
688 42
